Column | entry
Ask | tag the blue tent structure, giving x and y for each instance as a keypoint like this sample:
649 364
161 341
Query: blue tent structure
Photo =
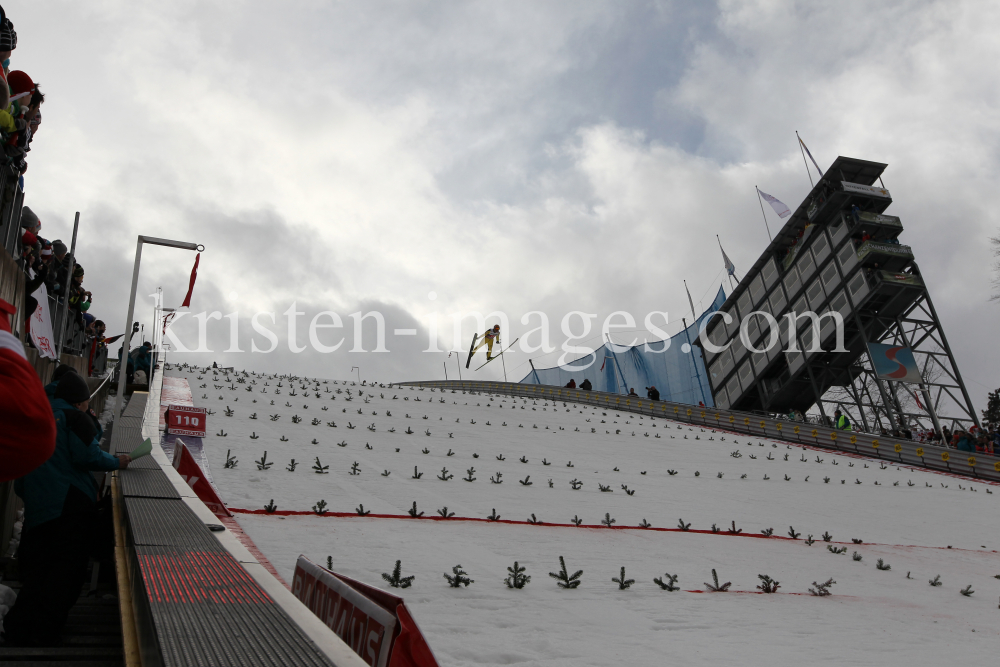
679 376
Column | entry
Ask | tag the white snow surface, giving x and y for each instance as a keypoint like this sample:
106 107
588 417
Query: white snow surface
872 617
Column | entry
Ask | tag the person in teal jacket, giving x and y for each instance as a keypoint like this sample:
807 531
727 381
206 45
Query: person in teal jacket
60 510
965 443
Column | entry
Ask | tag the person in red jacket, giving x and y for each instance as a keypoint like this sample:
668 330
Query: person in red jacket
28 437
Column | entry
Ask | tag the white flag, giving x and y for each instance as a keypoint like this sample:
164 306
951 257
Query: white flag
778 206
41 324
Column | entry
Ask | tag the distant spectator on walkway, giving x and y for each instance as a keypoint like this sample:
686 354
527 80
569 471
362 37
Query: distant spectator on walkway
585 385
571 384
841 421
631 392
652 393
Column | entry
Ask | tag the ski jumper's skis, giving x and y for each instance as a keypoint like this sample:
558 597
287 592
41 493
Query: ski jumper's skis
501 352
471 348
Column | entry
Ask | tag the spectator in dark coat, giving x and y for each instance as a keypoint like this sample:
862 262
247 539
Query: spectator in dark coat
585 385
571 384
60 516
652 393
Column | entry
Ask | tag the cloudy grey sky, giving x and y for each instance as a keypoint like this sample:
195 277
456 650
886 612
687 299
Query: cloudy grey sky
511 156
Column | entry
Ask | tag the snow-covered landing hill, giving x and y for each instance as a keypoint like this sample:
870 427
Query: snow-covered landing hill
919 523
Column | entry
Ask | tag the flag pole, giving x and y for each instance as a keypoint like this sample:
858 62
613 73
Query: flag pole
690 301
766 226
808 173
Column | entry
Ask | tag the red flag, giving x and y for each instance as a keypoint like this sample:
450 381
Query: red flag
194 276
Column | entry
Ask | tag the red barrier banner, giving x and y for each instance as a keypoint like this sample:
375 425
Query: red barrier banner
375 624
189 470
186 420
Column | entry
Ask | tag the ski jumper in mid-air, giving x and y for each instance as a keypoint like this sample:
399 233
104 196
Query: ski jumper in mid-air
489 337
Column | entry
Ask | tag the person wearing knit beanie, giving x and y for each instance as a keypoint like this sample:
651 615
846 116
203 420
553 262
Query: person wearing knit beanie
74 390
21 88
57 375
29 220
8 42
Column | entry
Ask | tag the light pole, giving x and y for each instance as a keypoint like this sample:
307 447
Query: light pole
119 400
61 336
458 363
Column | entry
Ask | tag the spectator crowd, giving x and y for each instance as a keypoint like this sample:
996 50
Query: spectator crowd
50 440
44 261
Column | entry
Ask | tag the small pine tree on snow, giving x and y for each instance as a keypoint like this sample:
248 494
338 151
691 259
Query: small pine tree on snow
469 475
563 578
517 578
270 507
497 479
493 516
444 476
607 520
669 584
733 530
576 520
525 482
360 509
967 591
355 469
445 513
936 581
822 590
810 541
717 587
329 562
856 556
645 524
827 536
767 584
792 534
263 463
767 532
682 525
397 581
231 461
417 475
413 511
320 507
319 468
623 583
459 577
882 565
